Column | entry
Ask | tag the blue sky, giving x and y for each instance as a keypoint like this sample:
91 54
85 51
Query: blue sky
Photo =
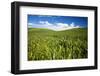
56 22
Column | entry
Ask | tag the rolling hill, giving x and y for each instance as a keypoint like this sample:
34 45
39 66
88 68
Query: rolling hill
46 44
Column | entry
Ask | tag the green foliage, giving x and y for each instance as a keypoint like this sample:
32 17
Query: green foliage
44 44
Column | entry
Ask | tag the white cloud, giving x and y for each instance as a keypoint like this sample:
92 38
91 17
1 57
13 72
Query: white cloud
62 24
41 22
77 26
45 22
72 24
56 27
30 24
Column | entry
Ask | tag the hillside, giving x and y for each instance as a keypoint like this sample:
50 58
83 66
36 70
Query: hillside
45 44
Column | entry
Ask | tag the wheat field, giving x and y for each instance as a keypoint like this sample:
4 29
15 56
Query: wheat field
45 44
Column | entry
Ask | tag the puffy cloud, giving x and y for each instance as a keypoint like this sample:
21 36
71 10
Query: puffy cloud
77 26
62 24
56 27
45 23
30 24
72 24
